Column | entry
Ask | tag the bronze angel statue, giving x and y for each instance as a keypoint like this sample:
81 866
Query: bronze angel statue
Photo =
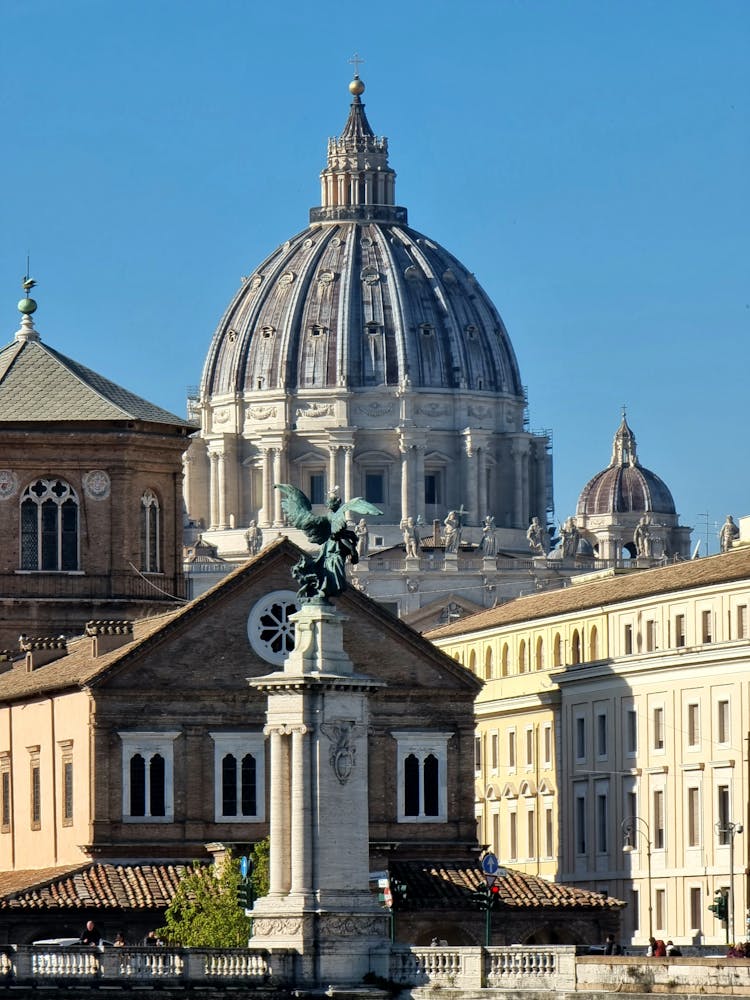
323 575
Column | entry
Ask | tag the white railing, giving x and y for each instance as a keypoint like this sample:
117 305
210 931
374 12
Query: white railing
514 968
37 963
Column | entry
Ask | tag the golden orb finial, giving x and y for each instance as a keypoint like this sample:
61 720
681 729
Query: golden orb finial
356 87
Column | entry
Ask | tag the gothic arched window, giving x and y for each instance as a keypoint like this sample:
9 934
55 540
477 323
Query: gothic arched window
150 532
49 526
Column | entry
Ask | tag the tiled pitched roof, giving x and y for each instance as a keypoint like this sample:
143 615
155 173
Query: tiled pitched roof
450 886
38 384
79 668
725 568
100 886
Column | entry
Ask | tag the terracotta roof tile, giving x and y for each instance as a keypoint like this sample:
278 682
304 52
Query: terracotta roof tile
451 886
727 567
99 886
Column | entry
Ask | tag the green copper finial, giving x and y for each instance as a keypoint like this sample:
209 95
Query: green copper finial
27 306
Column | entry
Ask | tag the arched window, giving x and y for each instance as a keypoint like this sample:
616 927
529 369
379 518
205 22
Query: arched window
575 647
594 644
488 663
422 776
504 660
473 661
147 786
239 775
522 657
238 786
557 651
539 653
421 786
150 531
49 526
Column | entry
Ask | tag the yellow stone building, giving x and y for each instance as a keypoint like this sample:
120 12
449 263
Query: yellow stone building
612 740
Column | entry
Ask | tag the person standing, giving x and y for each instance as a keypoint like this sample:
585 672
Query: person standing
90 934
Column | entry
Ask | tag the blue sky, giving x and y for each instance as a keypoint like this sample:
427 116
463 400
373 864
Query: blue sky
589 161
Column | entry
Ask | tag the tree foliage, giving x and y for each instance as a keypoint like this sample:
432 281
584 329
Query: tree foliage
261 867
204 911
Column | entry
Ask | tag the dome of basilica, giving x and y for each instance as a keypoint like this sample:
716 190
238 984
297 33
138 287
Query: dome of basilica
359 298
363 358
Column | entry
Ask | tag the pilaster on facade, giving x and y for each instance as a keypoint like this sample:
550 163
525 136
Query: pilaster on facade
520 452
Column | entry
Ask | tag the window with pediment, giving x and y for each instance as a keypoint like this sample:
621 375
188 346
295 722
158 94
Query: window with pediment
49 526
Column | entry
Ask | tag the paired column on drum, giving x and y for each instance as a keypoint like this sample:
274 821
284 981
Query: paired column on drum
520 453
477 501
412 447
341 452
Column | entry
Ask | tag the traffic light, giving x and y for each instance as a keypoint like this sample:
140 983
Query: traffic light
487 897
719 905
245 898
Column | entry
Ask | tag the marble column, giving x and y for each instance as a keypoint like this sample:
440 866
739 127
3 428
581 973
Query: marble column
301 832
278 827
419 481
348 456
483 501
214 490
520 512
221 488
277 478
472 500
265 489
333 461
405 481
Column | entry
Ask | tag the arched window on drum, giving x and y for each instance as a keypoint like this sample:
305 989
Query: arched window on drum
150 533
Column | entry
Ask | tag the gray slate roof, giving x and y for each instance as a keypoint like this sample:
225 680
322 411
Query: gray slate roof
38 384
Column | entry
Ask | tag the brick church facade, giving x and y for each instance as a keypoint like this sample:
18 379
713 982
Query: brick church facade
91 504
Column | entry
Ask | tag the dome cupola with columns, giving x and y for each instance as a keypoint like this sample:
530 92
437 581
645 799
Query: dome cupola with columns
362 354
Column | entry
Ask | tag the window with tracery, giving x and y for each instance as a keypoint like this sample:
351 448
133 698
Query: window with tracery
150 532
49 526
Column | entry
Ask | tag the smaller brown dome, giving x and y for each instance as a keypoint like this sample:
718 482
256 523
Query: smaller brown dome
625 486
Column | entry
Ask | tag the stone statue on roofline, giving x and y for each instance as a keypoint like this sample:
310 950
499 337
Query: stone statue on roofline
570 537
642 537
363 537
729 531
488 544
412 539
453 531
254 539
538 538
323 575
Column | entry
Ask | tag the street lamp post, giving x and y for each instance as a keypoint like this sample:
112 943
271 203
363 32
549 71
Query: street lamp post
730 830
629 826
